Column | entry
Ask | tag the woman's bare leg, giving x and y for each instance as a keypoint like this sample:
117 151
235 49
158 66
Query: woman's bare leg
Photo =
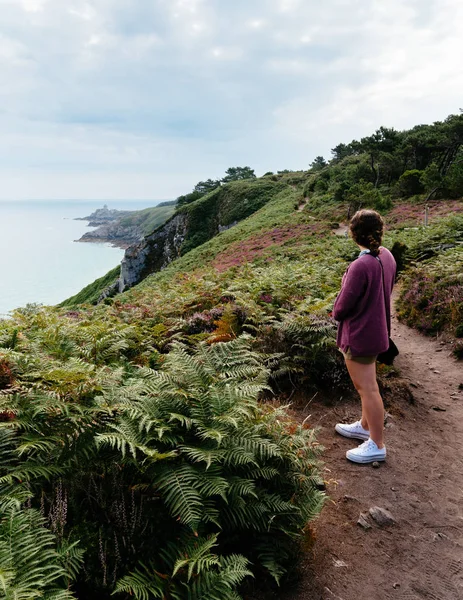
364 380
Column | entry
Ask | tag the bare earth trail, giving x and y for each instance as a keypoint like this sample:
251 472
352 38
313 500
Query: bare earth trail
420 556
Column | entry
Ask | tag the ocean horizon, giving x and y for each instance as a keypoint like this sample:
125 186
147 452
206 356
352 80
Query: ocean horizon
42 263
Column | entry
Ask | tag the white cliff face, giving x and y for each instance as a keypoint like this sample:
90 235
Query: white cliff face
132 266
154 253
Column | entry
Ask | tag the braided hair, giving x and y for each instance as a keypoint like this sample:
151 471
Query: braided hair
367 228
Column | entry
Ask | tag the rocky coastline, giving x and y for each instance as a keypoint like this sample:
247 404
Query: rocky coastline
109 229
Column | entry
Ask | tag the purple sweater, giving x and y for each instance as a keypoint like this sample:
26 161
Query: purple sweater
363 315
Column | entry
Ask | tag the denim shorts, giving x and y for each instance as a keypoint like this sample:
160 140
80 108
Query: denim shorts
364 360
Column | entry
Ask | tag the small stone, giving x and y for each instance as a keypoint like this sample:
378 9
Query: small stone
347 498
389 425
439 408
362 521
339 563
333 596
382 516
375 465
439 349
436 372
394 489
396 586
415 385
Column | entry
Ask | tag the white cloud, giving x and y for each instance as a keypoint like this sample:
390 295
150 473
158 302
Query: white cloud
288 5
83 11
12 52
227 53
33 5
256 24
401 75
173 91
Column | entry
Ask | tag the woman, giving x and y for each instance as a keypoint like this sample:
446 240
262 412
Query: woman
363 309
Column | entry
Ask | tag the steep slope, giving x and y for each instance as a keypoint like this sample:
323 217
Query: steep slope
188 228
194 224
380 171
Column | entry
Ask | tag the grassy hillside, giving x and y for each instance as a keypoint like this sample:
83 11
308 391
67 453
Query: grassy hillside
148 219
432 296
225 206
137 456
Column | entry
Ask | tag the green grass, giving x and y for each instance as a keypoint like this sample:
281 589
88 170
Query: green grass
149 219
224 206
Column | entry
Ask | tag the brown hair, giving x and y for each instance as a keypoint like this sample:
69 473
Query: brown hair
367 228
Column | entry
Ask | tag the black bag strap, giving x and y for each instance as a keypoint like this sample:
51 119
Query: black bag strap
384 293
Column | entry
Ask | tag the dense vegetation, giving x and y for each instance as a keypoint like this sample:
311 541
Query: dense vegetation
432 296
149 219
224 207
137 454
158 483
204 187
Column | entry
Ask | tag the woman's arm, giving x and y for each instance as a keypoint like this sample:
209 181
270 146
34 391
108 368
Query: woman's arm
353 287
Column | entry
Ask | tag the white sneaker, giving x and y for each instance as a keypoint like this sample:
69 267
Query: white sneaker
366 453
353 430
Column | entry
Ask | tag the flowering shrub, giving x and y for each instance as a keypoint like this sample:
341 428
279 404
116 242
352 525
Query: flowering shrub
6 376
263 244
412 214
200 322
432 294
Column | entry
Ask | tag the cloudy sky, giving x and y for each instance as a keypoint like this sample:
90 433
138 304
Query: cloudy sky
112 99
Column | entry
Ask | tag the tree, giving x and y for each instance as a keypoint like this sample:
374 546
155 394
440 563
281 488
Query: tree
453 180
204 187
201 189
187 198
341 151
238 173
384 140
410 183
431 178
318 163
363 195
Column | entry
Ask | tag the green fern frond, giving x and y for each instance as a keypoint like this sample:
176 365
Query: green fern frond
198 557
143 583
30 566
179 488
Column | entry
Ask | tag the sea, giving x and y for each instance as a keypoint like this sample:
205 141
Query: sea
41 263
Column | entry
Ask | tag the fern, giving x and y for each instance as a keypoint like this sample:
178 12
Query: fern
172 457
30 565
143 583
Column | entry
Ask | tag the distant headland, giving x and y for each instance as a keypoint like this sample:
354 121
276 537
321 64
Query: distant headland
123 228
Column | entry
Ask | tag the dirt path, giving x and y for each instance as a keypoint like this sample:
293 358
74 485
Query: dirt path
341 230
421 484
